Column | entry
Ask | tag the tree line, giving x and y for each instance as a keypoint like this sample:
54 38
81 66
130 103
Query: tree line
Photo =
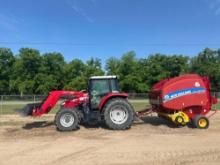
30 72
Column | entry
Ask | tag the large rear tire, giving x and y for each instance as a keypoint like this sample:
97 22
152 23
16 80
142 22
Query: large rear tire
118 114
67 120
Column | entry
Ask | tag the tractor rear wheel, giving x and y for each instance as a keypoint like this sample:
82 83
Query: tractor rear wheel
67 120
201 122
118 114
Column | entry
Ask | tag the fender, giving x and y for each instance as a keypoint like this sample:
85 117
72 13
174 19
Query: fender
109 96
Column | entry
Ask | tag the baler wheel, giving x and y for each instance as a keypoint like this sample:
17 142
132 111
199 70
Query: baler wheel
67 120
201 122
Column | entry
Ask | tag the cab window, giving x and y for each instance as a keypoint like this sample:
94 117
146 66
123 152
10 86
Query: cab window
98 89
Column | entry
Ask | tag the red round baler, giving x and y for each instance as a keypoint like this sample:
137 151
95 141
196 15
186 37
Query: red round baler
183 99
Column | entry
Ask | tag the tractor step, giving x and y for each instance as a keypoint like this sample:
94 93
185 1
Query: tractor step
28 109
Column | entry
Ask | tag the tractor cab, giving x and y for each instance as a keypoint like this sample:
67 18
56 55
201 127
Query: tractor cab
99 87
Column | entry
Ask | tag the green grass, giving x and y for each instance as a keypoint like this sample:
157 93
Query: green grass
140 104
217 106
10 106
10 109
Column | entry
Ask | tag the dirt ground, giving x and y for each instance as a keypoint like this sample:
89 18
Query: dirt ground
28 141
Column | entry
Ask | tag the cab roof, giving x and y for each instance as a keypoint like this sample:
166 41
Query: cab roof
104 77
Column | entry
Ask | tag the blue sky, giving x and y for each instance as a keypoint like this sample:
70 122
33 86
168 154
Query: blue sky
104 28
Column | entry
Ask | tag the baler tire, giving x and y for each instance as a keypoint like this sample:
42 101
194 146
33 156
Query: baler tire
127 107
71 113
197 119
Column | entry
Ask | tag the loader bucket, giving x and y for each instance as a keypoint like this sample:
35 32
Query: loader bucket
28 109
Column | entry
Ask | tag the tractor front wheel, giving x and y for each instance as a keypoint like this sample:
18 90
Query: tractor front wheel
118 114
67 120
201 122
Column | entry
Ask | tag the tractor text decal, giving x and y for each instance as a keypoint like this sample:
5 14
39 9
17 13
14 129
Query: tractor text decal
183 92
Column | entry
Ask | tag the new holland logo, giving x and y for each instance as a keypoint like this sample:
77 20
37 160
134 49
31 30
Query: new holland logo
179 93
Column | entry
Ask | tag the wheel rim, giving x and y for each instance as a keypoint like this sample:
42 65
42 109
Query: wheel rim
179 119
118 115
202 123
67 120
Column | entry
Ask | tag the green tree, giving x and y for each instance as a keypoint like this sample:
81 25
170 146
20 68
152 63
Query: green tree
74 69
51 74
78 73
129 73
157 67
77 83
74 73
32 73
26 66
112 66
45 83
93 67
129 70
207 63
6 61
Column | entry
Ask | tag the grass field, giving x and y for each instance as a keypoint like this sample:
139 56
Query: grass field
9 107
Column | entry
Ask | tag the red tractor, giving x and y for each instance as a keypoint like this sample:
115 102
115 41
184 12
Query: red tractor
103 102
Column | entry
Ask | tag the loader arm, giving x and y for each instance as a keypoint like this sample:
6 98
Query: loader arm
38 109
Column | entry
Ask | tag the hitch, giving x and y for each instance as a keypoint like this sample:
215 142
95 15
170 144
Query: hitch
144 112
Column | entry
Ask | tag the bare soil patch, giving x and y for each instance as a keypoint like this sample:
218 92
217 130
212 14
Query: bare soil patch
154 141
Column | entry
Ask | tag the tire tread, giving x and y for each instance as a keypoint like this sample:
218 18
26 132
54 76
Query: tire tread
106 111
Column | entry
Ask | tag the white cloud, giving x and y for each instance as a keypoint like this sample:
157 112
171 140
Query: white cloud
214 5
9 22
79 10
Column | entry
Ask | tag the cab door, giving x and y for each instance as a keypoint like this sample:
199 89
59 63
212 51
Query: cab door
98 89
